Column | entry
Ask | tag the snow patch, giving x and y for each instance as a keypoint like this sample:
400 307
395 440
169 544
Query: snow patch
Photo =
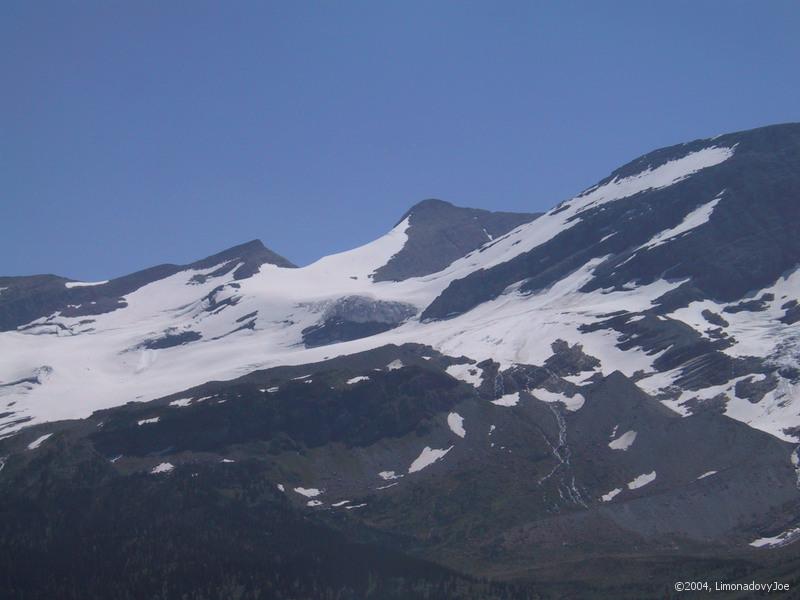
164 467
307 492
507 400
624 441
610 495
572 403
387 475
694 219
472 374
427 457
357 379
180 402
782 539
456 423
707 474
146 421
642 480
76 284
38 441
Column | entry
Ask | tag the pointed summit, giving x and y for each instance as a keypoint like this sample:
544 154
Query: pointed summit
253 254
440 232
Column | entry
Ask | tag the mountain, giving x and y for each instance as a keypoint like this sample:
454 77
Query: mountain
439 233
526 398
25 299
749 183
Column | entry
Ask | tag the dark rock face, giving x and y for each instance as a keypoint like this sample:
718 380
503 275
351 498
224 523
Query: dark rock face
569 360
360 309
747 244
355 317
792 314
440 233
714 318
332 331
747 305
755 390
28 298
171 339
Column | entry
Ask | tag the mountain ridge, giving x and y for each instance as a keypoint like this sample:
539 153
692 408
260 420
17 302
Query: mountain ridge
617 379
616 239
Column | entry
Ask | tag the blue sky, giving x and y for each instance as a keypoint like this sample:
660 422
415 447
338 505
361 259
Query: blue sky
136 133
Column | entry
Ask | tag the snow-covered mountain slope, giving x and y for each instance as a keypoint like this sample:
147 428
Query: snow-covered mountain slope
24 299
680 270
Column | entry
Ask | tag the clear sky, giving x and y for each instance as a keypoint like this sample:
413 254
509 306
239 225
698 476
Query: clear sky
136 133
